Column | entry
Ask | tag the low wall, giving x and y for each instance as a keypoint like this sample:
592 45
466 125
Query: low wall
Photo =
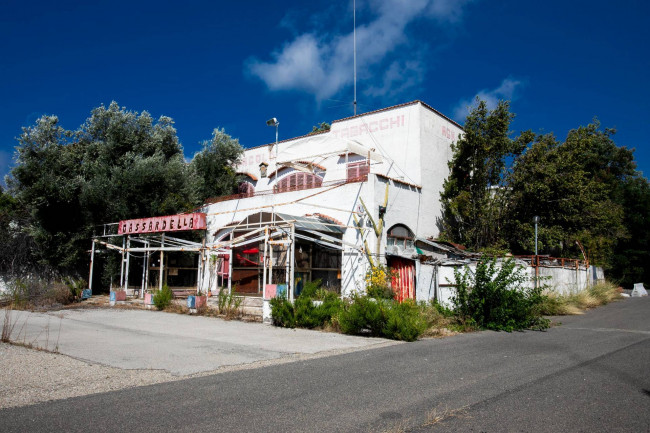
436 281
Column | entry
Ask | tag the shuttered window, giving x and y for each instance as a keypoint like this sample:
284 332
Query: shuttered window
298 181
358 171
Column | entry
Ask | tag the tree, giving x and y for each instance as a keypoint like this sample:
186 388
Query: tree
119 164
551 180
321 127
214 166
632 254
473 194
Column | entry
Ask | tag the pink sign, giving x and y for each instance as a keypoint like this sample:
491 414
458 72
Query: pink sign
170 223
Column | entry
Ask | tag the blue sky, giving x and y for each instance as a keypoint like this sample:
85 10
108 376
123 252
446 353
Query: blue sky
235 64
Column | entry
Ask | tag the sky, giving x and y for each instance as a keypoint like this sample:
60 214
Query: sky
236 64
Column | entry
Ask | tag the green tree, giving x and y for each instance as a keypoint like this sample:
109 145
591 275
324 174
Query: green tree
321 127
632 253
473 194
214 166
119 164
575 187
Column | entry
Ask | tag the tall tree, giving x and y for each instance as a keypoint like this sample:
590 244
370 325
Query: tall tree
119 164
473 194
214 166
576 189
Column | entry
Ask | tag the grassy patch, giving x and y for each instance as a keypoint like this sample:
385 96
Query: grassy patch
576 303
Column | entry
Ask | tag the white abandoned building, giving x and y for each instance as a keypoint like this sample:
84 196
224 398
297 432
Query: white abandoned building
325 206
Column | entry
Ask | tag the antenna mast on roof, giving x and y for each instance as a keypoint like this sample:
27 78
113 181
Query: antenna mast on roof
354 38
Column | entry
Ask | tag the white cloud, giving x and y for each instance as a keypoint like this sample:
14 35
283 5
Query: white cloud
321 63
507 90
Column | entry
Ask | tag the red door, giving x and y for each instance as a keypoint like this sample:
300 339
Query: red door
404 280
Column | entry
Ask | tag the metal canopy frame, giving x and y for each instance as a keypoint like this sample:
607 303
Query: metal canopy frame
270 227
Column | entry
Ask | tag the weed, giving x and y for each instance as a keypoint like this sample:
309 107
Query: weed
228 304
435 416
7 325
163 298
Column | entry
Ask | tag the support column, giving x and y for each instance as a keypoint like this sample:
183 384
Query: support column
128 262
143 286
122 263
292 258
92 264
146 266
162 262
266 241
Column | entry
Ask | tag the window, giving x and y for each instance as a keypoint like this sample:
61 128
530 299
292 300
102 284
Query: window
358 171
297 181
246 189
401 236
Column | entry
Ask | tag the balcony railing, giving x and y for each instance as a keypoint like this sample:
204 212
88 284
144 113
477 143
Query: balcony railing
240 196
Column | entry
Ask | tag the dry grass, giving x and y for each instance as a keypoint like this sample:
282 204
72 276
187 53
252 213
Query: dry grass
436 415
595 296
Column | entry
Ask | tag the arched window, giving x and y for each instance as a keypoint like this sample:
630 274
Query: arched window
296 181
246 189
401 236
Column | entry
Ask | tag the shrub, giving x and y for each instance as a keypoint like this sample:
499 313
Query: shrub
363 315
163 298
498 298
282 312
378 282
404 321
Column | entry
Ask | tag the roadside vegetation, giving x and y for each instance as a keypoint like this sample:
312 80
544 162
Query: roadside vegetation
33 293
496 295
554 304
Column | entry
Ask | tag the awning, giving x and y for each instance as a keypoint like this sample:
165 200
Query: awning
319 146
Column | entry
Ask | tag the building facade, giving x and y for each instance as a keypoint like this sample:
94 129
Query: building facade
365 192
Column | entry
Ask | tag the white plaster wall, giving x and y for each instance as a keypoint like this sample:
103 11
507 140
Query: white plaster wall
563 281
404 205
437 135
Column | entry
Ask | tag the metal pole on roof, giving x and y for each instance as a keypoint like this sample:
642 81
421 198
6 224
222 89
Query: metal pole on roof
354 38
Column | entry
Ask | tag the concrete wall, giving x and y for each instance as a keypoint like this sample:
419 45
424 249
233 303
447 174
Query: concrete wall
436 281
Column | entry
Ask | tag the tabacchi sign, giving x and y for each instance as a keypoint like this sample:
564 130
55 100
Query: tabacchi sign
171 223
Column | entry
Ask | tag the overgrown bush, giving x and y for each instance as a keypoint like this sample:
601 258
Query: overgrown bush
404 321
497 297
363 315
163 298
382 318
303 313
378 282
282 312
39 292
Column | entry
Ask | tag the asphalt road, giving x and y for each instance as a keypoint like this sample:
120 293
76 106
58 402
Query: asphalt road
589 374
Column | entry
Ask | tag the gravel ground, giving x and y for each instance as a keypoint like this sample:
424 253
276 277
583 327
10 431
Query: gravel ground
30 376
53 376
